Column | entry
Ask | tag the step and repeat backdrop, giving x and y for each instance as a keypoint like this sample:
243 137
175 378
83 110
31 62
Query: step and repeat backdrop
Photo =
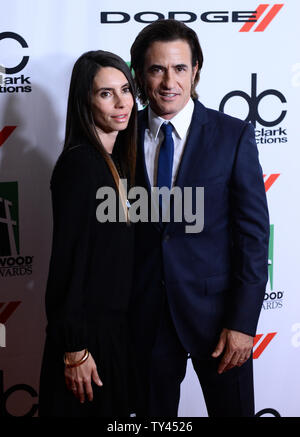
251 70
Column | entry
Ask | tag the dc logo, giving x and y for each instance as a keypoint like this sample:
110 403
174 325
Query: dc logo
4 395
268 412
253 101
25 59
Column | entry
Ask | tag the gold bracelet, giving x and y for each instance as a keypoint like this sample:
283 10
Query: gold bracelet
77 363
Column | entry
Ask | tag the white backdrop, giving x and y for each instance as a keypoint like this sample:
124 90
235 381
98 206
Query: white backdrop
259 57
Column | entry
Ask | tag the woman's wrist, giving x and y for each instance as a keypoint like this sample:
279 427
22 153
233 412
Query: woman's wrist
74 359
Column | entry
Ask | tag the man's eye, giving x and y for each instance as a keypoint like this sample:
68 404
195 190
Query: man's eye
126 90
156 69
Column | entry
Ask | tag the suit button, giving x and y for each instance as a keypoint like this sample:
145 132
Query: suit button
167 237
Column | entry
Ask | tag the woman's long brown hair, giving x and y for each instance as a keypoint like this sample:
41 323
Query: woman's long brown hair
80 124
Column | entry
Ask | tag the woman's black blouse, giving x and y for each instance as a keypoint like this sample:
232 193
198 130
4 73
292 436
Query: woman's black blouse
91 263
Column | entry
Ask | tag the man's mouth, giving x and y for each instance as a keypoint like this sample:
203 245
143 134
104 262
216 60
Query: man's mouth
168 96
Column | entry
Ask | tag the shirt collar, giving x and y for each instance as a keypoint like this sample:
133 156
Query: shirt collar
180 121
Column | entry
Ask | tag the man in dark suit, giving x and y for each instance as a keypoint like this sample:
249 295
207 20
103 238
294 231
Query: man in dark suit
196 295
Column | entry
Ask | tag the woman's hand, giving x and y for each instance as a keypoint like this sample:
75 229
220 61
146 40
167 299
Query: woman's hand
78 379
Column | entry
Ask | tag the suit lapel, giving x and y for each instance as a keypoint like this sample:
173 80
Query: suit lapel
196 144
143 177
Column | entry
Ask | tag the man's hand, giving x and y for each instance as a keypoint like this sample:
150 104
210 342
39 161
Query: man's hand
236 348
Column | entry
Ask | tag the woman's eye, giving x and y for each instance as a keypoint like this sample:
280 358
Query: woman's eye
126 90
105 94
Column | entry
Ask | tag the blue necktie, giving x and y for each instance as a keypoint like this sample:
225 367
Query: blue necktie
165 159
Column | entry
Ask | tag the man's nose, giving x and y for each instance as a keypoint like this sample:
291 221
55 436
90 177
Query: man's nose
169 79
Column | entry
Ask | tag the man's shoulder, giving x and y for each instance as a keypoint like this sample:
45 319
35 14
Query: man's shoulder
218 117
203 115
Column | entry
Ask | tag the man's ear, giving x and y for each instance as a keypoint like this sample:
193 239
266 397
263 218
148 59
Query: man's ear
194 71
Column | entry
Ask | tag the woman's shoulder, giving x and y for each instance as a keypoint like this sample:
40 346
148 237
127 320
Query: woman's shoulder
80 155
80 160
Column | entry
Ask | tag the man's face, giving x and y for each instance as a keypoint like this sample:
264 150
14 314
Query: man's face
168 76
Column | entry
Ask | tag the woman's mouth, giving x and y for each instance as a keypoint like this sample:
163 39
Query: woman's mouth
120 118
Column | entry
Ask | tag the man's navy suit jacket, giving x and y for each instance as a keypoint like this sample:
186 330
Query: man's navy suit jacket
216 278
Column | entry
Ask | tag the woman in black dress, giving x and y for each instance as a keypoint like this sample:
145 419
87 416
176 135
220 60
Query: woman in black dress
86 369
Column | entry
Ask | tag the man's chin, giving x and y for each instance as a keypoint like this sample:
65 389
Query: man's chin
166 110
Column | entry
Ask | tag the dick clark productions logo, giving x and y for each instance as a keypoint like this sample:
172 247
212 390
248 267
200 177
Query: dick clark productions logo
263 135
10 82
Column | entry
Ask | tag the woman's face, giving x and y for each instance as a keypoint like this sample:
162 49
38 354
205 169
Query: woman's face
112 100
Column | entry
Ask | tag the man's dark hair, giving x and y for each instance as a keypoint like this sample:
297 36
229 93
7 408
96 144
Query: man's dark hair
164 31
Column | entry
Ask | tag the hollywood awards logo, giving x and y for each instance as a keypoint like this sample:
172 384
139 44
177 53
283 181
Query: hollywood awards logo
273 299
12 261
268 131
11 81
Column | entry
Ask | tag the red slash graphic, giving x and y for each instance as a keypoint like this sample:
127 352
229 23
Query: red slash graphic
5 133
270 180
265 21
263 344
8 310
